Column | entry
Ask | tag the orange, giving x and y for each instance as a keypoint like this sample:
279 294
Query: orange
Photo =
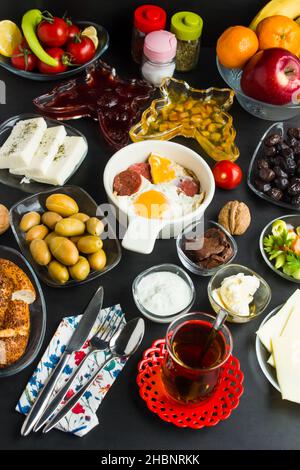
279 31
236 46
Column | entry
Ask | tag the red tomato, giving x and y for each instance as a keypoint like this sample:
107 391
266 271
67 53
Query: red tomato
58 54
81 49
53 31
23 58
227 174
72 31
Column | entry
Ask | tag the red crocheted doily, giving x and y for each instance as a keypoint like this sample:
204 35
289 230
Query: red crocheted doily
208 413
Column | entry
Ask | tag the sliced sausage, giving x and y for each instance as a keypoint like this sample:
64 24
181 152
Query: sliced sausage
127 183
189 187
142 169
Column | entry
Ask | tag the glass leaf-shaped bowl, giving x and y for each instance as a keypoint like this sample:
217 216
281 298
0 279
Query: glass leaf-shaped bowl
190 112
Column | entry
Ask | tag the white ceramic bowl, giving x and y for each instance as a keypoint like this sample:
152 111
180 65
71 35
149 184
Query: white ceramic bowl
142 232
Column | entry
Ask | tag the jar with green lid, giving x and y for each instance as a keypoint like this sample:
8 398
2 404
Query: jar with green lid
187 27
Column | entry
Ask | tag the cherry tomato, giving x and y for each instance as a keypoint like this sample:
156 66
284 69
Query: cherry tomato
81 49
72 31
58 54
53 31
23 58
227 174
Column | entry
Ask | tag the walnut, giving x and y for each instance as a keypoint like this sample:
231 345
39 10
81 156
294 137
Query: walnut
4 219
235 217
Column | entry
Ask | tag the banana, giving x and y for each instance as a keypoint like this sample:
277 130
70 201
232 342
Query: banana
290 8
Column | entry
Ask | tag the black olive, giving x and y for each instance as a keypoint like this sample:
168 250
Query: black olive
279 172
281 183
270 151
262 186
296 149
294 132
296 201
266 174
262 163
290 165
273 139
292 141
279 161
298 171
294 189
287 152
275 193
287 198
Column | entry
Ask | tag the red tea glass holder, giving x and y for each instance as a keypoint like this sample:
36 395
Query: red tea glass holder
209 412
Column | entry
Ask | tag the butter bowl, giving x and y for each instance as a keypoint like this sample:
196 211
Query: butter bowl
142 232
261 297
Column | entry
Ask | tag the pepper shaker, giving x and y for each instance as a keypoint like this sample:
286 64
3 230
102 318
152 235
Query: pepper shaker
159 57
187 27
147 18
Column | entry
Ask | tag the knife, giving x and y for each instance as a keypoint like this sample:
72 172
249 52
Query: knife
76 342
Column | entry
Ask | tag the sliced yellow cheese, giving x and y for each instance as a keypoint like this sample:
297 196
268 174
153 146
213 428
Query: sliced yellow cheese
287 358
291 330
274 327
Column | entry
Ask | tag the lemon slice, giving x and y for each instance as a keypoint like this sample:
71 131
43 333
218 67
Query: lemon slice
10 37
91 33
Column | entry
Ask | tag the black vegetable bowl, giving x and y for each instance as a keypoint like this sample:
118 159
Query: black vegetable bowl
274 171
103 38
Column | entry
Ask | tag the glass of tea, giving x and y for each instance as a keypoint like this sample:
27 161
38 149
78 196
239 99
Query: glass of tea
194 355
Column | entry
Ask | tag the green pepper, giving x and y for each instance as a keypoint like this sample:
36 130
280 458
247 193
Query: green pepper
30 21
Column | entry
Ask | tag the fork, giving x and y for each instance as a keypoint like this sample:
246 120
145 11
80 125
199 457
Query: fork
99 342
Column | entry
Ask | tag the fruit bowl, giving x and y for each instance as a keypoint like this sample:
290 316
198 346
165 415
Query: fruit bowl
102 46
270 112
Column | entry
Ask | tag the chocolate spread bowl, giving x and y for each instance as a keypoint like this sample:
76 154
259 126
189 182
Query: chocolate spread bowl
205 246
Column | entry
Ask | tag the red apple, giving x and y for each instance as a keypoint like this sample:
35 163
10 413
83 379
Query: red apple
272 76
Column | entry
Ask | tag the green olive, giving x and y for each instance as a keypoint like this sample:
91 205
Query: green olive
80 270
62 204
89 244
40 252
69 227
94 226
50 237
38 231
97 260
58 272
64 251
29 220
50 219
80 216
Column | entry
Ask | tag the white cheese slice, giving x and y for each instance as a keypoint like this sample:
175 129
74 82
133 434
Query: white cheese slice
291 329
273 327
19 148
287 357
48 148
67 158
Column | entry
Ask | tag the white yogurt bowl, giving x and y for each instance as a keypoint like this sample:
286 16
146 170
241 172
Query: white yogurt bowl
142 232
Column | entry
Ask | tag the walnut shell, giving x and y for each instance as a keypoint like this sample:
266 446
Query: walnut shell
4 219
235 217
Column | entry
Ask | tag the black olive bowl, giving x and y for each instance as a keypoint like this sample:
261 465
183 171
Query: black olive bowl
103 38
280 128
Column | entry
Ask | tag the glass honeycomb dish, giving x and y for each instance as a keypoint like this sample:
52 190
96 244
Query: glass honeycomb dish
190 112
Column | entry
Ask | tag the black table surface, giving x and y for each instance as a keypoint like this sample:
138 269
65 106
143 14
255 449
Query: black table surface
262 420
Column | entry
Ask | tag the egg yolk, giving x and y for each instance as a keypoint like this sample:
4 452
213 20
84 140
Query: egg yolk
161 169
151 204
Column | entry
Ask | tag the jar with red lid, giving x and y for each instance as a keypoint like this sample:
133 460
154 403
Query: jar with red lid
147 18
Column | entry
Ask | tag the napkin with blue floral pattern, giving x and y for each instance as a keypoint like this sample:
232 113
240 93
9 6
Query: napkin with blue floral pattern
82 418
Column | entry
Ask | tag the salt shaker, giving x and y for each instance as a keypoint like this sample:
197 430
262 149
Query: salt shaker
147 18
187 27
159 56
